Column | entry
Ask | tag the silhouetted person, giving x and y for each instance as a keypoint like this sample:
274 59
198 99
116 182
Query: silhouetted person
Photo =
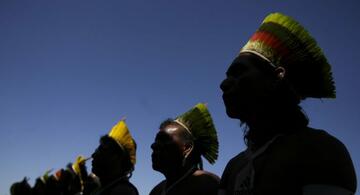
177 152
279 66
69 181
39 187
46 185
21 188
114 160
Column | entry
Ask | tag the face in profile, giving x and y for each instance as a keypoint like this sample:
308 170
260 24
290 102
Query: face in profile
246 86
106 161
167 149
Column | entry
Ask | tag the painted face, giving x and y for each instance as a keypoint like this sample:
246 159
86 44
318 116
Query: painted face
246 86
167 149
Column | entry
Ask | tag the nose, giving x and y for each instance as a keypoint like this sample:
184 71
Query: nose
226 84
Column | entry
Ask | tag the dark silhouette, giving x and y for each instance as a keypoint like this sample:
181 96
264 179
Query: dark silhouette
64 182
177 157
113 166
283 155
21 188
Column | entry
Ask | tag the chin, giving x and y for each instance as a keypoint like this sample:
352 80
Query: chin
232 114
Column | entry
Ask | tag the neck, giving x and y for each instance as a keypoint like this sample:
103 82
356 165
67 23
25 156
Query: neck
176 174
272 121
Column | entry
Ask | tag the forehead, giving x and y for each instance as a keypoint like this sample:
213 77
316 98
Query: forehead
169 132
248 62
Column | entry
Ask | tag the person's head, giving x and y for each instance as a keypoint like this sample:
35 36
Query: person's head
21 188
280 65
173 148
252 85
110 160
181 142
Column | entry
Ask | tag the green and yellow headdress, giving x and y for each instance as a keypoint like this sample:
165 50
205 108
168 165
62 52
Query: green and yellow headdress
121 134
199 123
44 178
282 41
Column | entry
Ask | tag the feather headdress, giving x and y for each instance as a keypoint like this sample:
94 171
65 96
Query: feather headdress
121 134
199 123
282 41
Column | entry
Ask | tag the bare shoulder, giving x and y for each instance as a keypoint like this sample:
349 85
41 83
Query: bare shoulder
206 174
158 188
204 178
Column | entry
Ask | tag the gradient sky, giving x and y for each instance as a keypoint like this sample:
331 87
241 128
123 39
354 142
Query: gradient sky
69 70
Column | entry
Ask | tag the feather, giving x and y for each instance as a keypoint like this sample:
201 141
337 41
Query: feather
200 124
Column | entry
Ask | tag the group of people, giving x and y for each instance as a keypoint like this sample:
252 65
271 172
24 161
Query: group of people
280 66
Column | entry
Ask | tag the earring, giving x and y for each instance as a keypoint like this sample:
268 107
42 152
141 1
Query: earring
281 75
280 71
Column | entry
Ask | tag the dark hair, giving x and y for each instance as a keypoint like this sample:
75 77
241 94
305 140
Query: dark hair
127 166
194 157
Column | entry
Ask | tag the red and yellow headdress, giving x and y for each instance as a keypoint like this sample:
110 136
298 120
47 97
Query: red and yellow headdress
282 41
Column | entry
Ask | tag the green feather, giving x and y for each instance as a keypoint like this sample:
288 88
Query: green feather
310 50
200 124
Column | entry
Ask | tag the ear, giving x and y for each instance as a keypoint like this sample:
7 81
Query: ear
187 149
280 72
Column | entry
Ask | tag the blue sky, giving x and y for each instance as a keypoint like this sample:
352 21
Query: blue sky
69 70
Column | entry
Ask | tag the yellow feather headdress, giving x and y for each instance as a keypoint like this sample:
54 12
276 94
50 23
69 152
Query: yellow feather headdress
121 134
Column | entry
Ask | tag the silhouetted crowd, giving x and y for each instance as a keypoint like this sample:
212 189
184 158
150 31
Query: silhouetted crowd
280 66
64 182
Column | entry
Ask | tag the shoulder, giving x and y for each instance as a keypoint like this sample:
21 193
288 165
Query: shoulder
235 163
202 182
124 188
236 159
322 145
232 168
206 176
326 160
158 188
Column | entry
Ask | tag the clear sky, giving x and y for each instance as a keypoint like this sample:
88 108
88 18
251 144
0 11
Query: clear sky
69 70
